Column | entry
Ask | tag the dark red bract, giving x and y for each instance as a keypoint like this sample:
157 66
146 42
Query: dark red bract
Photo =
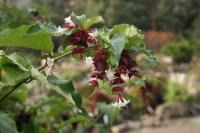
81 38
93 83
117 80
99 60
118 89
127 65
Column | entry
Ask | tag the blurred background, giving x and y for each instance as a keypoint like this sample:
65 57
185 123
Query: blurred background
168 97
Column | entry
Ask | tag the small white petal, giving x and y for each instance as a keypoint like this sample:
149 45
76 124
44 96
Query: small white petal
60 31
69 21
110 74
91 34
125 101
88 61
50 66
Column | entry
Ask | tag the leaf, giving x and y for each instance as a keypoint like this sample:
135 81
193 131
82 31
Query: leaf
80 20
75 119
14 68
93 20
64 85
76 96
15 59
109 110
118 42
20 94
128 30
69 48
7 125
21 37
34 28
49 27
37 74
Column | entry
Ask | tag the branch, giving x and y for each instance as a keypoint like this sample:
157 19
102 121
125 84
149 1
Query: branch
28 80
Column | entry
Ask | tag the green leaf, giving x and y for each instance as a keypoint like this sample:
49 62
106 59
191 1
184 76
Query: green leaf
34 28
75 119
93 20
7 125
15 59
25 37
118 43
103 37
20 94
76 96
64 85
37 74
109 110
69 48
80 20
14 68
128 30
49 27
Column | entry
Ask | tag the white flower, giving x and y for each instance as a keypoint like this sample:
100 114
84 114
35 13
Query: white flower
91 34
122 102
69 21
60 31
88 61
110 74
50 66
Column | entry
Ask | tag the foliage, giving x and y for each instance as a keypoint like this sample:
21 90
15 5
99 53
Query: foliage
7 125
181 51
110 50
175 92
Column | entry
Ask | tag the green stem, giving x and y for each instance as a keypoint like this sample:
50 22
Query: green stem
14 88
27 80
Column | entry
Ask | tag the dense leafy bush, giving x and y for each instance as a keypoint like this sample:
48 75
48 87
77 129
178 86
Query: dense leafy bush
109 52
175 92
180 51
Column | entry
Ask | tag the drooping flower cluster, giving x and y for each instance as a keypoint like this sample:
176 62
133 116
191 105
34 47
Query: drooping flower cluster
127 67
82 38
100 65
120 102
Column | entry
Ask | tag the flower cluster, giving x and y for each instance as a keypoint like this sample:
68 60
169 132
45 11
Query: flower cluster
82 38
99 65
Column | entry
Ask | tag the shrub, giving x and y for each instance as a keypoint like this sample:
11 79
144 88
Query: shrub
181 51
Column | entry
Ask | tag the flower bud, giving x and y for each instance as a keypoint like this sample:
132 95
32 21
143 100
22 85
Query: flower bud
117 89
93 83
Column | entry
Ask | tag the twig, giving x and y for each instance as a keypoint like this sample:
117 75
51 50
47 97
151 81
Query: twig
14 88
28 80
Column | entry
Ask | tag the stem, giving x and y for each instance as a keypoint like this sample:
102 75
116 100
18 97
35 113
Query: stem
14 88
28 80
31 78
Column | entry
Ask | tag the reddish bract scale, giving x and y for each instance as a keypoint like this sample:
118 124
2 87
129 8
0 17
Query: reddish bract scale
118 89
81 38
99 60
79 51
98 75
127 65
69 27
93 83
117 80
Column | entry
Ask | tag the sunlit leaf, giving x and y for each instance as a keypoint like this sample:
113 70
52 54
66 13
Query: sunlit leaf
93 20
118 42
77 98
20 37
7 125
64 85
